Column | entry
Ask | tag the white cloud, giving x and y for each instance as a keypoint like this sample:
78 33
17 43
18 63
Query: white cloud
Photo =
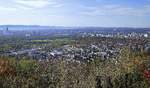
57 5
22 7
8 9
34 3
28 4
117 10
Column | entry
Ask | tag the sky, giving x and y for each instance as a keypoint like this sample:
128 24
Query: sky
101 13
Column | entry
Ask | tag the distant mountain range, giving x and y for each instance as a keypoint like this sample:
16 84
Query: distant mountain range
38 27
63 26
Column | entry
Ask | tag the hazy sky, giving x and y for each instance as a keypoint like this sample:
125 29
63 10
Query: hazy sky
123 13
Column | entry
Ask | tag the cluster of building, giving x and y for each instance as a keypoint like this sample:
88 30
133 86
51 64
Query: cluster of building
118 35
107 47
109 50
69 52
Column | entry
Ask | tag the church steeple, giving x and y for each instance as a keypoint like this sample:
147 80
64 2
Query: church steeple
6 28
